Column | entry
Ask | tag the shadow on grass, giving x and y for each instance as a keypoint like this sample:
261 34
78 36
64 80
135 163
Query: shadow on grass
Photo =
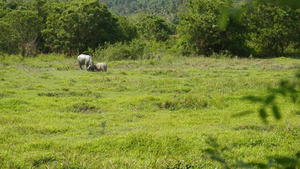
287 89
215 152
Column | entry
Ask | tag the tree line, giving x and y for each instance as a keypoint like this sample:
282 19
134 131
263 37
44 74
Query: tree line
58 26
185 27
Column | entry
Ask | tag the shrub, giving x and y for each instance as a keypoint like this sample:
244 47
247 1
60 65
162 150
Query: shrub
273 28
120 51
200 32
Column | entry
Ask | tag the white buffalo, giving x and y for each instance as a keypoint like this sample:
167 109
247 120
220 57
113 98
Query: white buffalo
101 67
87 61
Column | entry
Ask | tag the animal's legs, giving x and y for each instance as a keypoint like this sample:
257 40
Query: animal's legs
80 66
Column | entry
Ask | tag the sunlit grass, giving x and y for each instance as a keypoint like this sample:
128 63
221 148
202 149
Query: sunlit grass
155 113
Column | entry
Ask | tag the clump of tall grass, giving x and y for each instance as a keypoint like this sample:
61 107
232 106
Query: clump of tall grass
134 50
53 61
120 51
188 101
7 60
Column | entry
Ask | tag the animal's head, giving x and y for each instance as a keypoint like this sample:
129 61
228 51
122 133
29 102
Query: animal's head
91 68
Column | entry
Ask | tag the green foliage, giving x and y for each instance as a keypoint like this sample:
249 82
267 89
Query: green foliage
56 26
128 30
79 25
19 31
170 10
152 27
263 28
273 27
236 28
134 50
120 51
200 33
295 4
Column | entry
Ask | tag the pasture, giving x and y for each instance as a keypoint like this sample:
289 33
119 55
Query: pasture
168 112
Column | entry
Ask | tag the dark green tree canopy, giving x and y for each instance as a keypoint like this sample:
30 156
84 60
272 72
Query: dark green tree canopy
20 27
152 27
234 27
79 25
261 27
273 27
60 26
199 31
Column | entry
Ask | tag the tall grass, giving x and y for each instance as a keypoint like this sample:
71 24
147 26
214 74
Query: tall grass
155 113
136 49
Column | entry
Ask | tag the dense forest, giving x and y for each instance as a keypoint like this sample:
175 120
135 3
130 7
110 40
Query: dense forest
161 7
134 29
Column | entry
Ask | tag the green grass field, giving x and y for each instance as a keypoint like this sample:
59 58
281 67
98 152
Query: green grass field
170 112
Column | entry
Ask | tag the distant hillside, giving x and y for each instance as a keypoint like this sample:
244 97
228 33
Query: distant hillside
125 7
168 9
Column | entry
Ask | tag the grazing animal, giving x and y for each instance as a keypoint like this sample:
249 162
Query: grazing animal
87 61
101 67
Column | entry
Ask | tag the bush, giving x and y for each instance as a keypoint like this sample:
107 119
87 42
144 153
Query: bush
273 28
120 51
202 31
152 27
136 49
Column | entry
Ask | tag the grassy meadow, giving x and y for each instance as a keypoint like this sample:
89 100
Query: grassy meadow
168 112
